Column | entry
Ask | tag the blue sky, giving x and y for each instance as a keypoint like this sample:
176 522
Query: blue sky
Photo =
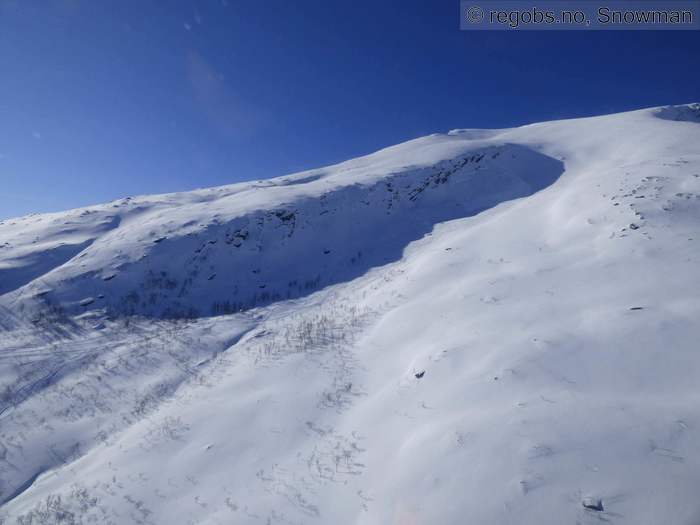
100 99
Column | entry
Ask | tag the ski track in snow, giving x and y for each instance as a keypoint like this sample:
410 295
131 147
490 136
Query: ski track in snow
487 326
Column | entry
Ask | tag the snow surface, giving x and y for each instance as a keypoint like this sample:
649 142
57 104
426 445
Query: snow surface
484 326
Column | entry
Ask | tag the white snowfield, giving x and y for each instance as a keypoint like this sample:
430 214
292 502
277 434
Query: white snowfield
479 327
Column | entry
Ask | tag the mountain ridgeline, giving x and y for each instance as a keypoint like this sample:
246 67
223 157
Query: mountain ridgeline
166 265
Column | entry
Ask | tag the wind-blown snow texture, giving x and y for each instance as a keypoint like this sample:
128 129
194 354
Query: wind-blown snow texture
486 326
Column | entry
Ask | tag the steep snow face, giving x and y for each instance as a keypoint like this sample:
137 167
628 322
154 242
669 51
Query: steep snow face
493 326
196 254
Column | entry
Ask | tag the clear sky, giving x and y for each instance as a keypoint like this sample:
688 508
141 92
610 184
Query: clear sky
101 99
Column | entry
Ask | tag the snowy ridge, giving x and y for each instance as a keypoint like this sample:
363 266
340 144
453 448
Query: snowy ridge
173 259
487 326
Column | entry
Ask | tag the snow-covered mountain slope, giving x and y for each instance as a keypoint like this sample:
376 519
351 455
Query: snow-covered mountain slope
487 326
234 248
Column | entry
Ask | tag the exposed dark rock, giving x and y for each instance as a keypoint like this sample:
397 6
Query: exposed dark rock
593 504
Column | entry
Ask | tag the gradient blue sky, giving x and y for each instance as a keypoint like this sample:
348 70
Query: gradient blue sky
102 99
